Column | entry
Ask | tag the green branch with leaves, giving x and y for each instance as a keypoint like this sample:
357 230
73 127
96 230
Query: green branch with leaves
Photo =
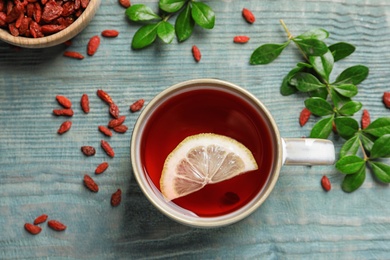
157 26
363 148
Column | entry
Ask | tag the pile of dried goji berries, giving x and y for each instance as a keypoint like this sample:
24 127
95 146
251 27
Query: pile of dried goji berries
38 18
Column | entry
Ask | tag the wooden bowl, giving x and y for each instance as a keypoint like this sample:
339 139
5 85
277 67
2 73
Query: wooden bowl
60 37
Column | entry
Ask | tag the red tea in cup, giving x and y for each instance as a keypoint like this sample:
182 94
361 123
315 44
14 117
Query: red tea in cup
209 110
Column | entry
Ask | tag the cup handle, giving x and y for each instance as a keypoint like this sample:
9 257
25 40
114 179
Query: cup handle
308 151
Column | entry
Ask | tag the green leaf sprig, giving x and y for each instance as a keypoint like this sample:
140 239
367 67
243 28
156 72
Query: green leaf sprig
332 100
190 13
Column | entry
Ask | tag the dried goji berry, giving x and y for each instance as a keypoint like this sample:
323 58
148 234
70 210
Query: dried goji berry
105 130
101 168
137 105
84 103
32 229
115 122
114 110
110 33
90 183
51 28
65 127
196 53
116 198
304 116
386 99
107 148
56 225
366 119
40 219
125 3
325 182
120 129
104 96
88 150
74 55
93 45
63 112
248 15
51 11
241 39
230 198
64 101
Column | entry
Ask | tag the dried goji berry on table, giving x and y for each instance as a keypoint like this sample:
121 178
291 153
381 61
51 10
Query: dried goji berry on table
116 122
248 15
64 101
196 53
120 129
325 182
125 3
304 116
110 33
93 45
32 229
116 198
107 148
74 55
137 105
366 119
84 103
40 219
114 110
104 96
88 150
101 168
241 39
386 99
63 112
56 225
90 183
65 127
105 130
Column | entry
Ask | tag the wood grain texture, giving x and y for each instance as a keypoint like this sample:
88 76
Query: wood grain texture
41 172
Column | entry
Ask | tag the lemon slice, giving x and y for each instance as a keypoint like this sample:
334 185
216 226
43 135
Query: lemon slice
203 159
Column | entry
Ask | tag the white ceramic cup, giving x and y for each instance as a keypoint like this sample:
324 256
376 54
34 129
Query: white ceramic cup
287 151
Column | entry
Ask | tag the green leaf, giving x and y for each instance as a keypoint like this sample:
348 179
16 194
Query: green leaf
379 127
323 64
381 147
311 47
184 24
267 53
286 89
165 31
352 75
140 12
322 128
346 90
306 82
171 6
350 108
320 92
341 50
346 127
319 34
203 15
367 142
381 171
353 182
145 36
318 106
338 99
350 164
350 147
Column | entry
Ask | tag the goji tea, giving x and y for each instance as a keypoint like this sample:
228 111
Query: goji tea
209 110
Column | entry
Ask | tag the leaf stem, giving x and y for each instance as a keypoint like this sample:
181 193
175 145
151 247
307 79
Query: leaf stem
365 157
291 38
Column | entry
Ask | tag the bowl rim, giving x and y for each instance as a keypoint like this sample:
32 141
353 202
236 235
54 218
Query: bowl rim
60 37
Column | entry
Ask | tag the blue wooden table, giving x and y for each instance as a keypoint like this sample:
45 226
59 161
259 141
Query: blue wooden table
41 171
